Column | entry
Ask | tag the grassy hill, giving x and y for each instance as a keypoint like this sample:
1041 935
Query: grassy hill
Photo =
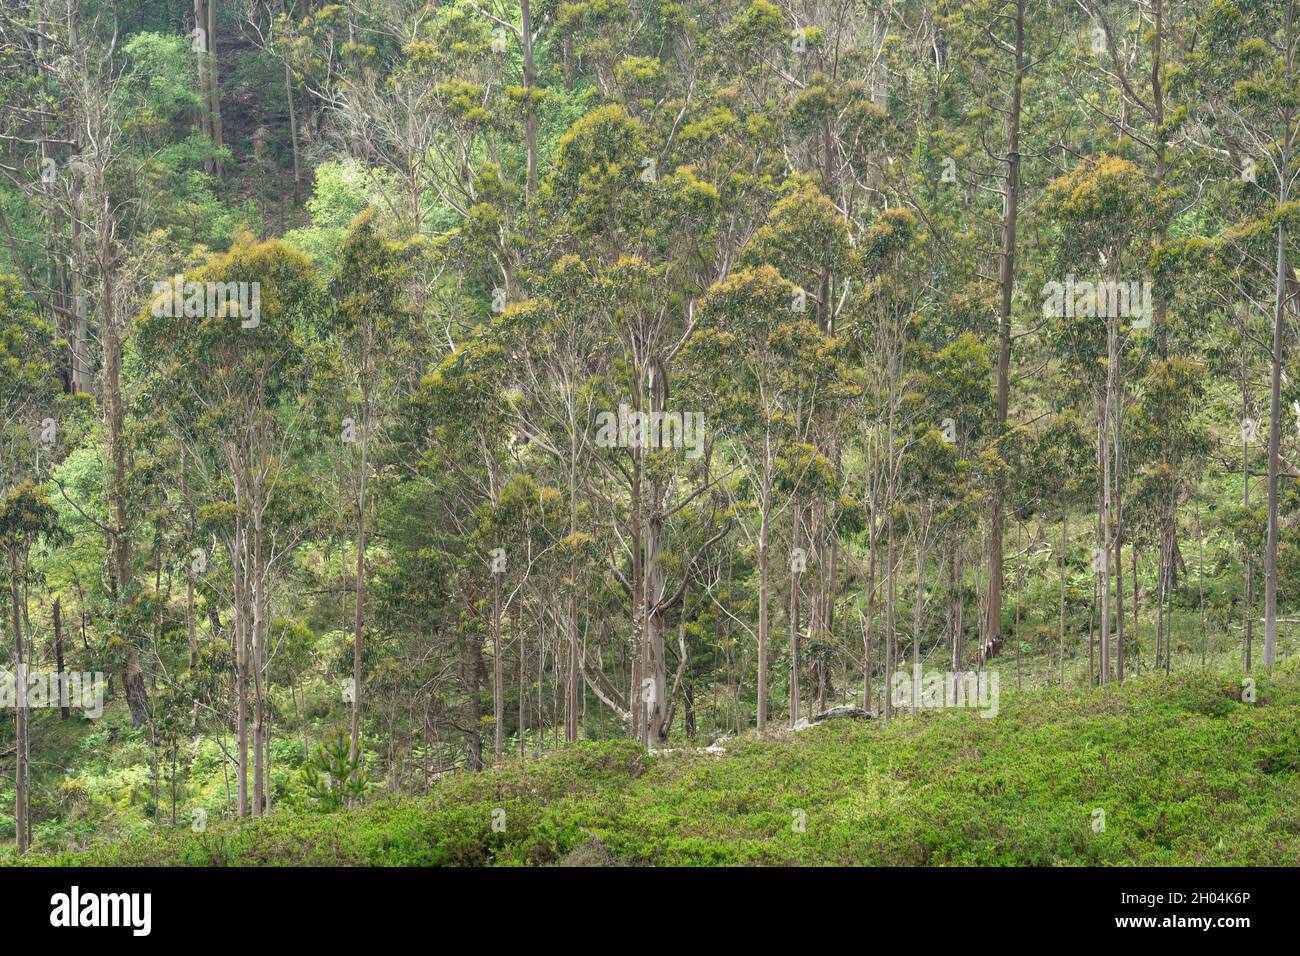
1185 772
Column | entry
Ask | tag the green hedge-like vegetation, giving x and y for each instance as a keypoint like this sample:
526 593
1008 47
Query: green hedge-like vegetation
1185 772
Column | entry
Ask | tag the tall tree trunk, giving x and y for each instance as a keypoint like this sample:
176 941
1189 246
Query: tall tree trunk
762 616
871 612
241 666
202 63
359 611
636 695
79 357
530 110
133 677
498 675
655 658
474 666
1020 581
794 644
1162 618
891 607
1110 482
1279 323
522 663
58 659
1065 520
293 126
1200 538
1274 447
1006 284
20 711
918 611
261 604
191 625
266 742
1245 490
293 135
1119 520
1103 547
214 81
573 689
1137 635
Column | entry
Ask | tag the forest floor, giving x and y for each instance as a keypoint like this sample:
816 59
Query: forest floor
1160 770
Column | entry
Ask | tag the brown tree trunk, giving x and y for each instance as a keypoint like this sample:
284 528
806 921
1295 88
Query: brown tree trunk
871 608
191 626
261 605
241 666
1065 521
20 709
523 659
1006 283
918 609
133 677
214 80
1119 524
498 675
293 126
1245 493
359 610
1137 634
474 667
1274 446
530 111
794 646
762 617
202 61
58 659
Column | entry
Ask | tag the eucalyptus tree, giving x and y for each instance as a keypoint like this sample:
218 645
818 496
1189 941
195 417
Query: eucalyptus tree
95 190
227 374
880 326
1248 79
750 318
375 327
959 408
26 518
28 387
652 244
554 348
1169 432
1105 210
459 439
39 142
1001 114
526 528
1063 464
932 495
808 240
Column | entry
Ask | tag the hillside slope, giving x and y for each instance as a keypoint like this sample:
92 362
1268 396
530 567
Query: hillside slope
1185 772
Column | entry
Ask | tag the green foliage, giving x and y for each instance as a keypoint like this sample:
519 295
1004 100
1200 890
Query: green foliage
1191 776
334 779
342 190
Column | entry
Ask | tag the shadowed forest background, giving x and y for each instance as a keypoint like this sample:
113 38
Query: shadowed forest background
965 329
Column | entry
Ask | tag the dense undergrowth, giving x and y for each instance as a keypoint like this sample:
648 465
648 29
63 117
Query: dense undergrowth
1185 772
